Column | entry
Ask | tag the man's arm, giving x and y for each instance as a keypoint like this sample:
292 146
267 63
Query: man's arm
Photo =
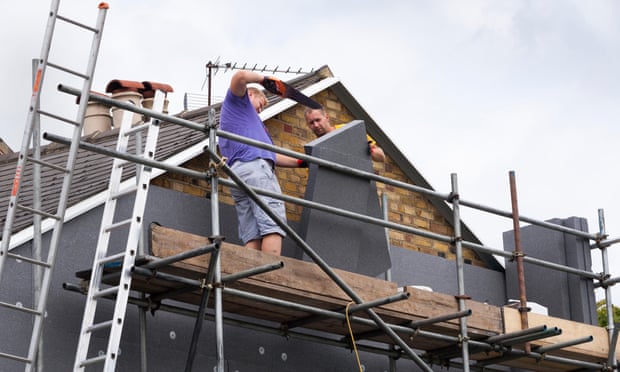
241 79
286 161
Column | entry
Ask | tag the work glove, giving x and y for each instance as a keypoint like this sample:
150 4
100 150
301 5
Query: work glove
274 85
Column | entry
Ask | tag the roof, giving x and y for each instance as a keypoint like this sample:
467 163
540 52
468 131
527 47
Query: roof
176 145
4 148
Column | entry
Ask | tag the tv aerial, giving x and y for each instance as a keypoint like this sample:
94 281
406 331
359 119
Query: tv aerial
213 67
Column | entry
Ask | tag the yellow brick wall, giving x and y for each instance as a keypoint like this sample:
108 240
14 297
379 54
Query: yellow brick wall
288 130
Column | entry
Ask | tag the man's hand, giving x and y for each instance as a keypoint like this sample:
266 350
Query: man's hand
274 85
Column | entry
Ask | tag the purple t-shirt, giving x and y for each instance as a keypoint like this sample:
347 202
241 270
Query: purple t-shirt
238 116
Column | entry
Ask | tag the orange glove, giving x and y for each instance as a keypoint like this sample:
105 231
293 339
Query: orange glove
274 85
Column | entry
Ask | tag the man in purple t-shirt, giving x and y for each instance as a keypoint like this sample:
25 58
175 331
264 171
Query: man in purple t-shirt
255 166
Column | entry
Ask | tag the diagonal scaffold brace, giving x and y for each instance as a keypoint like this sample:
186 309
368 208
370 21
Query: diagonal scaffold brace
320 262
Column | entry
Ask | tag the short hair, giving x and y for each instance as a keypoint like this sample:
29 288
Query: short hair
258 93
310 109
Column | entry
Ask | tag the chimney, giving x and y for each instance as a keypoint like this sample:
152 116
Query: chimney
150 87
126 91
97 117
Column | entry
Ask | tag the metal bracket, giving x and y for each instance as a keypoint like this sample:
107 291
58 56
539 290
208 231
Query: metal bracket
516 255
462 339
204 284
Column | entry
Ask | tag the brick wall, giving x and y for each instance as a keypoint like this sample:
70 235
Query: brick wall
288 129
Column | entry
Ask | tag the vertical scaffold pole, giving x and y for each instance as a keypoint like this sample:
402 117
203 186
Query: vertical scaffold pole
215 229
523 308
459 271
608 297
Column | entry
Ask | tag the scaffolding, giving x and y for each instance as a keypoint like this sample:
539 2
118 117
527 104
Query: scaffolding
362 314
459 355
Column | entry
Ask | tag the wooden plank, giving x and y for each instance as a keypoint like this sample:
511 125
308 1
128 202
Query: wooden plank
305 283
594 351
297 274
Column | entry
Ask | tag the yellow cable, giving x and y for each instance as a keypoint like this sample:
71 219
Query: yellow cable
352 338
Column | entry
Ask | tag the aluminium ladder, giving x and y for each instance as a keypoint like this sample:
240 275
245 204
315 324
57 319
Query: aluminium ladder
29 162
126 258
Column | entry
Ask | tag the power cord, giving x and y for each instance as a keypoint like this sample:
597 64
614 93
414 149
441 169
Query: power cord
352 338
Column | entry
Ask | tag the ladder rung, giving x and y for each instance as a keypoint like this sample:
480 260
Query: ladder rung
20 308
121 163
106 292
54 116
118 224
137 128
100 326
49 165
39 212
118 195
29 260
15 357
115 257
91 361
69 71
76 23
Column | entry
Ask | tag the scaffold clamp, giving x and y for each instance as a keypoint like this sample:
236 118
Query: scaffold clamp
516 255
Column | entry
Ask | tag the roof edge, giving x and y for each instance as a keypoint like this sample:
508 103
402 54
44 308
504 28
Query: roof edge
286 104
27 234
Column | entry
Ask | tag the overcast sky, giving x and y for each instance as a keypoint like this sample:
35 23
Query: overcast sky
477 88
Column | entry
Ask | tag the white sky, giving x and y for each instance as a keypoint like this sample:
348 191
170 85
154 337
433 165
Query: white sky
476 88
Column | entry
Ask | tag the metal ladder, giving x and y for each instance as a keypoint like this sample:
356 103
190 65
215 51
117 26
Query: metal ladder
30 162
126 258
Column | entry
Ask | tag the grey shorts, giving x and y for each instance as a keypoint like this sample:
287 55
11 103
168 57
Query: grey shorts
254 223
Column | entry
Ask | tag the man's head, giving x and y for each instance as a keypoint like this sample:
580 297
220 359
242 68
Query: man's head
258 99
318 121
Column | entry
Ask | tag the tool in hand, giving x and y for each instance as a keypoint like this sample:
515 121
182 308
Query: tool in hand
284 90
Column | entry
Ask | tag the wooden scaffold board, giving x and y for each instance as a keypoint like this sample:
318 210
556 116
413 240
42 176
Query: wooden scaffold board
305 283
